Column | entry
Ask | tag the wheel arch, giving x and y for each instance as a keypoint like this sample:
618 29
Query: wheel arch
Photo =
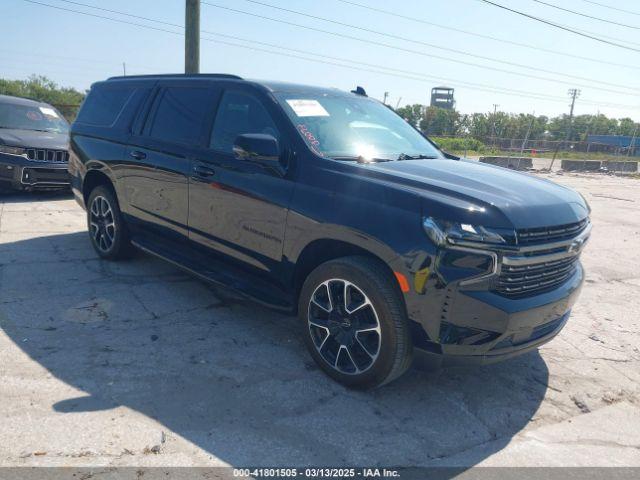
94 178
323 250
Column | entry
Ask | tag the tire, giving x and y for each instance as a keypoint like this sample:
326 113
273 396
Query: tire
344 304
107 229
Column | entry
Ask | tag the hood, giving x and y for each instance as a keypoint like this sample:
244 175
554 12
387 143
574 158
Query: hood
481 194
34 139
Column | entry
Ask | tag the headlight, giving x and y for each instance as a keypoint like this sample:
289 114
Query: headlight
12 150
442 232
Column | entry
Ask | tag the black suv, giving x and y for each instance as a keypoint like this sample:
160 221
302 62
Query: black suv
328 204
34 138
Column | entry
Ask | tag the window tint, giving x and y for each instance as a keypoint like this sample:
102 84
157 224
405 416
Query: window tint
240 113
180 114
103 105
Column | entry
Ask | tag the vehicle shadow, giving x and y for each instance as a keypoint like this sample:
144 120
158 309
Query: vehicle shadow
233 378
35 196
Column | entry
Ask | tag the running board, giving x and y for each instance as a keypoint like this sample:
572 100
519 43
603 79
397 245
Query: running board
223 275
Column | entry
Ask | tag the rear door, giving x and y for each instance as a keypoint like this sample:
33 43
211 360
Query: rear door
238 207
159 157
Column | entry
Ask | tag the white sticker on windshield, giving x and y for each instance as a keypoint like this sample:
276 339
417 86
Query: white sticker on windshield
308 108
50 112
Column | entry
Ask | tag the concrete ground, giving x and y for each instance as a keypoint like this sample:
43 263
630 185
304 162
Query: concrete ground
137 363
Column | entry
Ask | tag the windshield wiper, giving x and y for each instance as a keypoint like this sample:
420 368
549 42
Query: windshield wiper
404 156
360 159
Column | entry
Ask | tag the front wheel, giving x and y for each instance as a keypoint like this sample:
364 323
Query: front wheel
354 322
107 229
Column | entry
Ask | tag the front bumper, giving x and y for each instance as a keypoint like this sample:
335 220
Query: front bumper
456 321
514 326
521 327
20 173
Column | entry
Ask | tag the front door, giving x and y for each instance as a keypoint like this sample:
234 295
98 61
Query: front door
239 207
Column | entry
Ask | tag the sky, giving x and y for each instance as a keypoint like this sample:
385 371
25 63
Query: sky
421 46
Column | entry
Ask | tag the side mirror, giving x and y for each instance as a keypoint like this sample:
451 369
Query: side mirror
258 147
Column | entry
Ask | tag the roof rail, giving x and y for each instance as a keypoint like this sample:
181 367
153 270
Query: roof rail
185 75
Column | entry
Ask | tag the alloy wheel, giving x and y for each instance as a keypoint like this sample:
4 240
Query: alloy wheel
102 223
344 326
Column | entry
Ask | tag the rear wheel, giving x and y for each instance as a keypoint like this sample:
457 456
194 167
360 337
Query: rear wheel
107 229
354 322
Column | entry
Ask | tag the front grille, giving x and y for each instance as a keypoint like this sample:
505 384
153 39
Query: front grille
42 176
534 278
47 155
557 233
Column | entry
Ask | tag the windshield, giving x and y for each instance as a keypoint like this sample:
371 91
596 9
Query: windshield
338 126
27 117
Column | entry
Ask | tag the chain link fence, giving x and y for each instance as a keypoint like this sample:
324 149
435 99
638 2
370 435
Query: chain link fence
468 145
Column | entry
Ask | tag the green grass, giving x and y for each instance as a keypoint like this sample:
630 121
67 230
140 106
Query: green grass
561 155
475 148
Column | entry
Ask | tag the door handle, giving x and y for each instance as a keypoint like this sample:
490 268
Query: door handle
138 155
202 171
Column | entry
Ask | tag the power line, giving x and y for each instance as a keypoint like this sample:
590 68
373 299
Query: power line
106 18
587 16
120 13
562 27
473 86
501 91
75 59
612 7
487 37
405 39
430 55
409 75
335 34
412 75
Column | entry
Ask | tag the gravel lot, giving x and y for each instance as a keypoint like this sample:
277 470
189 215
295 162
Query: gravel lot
137 363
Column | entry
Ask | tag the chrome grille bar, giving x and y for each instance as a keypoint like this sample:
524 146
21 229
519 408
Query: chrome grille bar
47 155
548 234
541 267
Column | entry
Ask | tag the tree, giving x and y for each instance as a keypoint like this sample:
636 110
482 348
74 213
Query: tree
40 88
627 127
436 121
439 121
411 113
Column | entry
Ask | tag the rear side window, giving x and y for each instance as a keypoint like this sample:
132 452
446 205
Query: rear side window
240 113
180 114
103 105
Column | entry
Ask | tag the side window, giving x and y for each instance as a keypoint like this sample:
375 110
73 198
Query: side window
103 105
180 114
239 113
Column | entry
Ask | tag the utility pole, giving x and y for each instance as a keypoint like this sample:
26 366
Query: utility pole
398 103
632 144
124 69
526 137
588 132
386 95
573 93
192 37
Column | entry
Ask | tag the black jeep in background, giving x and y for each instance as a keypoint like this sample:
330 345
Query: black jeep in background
328 204
34 139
